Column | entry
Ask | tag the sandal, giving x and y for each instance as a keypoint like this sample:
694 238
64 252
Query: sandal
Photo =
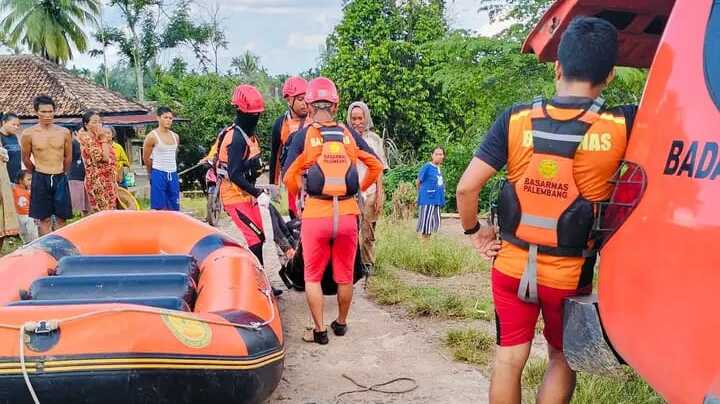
338 329
318 337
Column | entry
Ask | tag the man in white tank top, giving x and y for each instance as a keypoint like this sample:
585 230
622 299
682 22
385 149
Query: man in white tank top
160 159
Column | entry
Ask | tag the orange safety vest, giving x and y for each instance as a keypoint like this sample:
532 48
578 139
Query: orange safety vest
334 174
543 211
229 191
289 127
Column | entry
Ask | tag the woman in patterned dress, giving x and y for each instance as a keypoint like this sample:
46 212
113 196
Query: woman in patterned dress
99 158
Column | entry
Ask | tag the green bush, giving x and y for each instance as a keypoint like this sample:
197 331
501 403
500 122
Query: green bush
404 201
397 175
399 246
471 345
626 388
423 301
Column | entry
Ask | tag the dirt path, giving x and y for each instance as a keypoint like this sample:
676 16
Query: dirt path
381 345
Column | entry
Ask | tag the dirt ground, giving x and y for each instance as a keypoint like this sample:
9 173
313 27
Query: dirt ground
380 345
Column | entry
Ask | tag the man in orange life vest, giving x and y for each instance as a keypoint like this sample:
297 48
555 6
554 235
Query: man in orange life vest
325 156
560 155
239 166
285 126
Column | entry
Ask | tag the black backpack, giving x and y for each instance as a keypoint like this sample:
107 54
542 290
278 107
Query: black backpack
293 274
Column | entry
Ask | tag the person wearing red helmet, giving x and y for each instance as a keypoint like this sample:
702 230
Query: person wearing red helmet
322 158
239 164
285 126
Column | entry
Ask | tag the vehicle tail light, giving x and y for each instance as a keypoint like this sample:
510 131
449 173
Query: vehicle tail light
630 182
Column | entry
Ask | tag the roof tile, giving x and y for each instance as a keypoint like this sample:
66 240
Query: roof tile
24 77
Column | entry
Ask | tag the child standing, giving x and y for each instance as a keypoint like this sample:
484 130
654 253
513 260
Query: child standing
431 194
21 193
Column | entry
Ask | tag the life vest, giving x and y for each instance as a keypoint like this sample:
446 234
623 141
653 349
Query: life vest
229 191
544 212
334 174
289 127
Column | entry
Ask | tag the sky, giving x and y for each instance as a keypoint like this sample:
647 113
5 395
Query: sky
286 34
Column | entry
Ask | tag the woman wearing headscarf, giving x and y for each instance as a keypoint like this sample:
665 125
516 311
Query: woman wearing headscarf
359 119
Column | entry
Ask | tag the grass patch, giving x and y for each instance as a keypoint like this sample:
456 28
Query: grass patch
144 203
196 206
627 388
424 301
10 244
471 345
398 245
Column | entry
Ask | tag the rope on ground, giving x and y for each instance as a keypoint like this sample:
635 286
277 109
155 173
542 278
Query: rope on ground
377 387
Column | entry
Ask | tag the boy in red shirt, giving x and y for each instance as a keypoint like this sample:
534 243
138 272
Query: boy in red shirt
21 194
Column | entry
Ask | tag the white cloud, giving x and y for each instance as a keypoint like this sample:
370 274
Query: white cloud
305 41
278 7
275 29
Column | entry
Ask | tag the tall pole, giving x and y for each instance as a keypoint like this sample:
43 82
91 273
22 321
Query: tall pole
102 38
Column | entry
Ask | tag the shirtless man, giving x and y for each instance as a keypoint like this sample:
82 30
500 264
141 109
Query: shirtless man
50 147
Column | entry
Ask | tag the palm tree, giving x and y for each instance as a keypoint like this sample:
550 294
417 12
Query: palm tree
48 27
247 65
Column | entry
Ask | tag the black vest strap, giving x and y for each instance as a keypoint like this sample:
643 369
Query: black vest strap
560 137
543 249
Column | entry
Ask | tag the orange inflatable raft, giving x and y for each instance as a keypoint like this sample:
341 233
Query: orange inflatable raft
137 307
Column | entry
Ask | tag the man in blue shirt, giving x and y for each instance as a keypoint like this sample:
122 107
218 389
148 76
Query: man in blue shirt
431 194
8 136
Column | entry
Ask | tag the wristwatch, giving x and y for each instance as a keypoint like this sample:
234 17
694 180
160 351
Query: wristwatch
474 229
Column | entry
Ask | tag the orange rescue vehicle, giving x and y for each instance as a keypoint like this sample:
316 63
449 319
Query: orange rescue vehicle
137 307
658 270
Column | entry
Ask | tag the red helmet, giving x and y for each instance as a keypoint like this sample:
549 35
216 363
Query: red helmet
248 99
322 89
294 86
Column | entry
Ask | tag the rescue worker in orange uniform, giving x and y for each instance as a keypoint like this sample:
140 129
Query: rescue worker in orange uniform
285 126
323 159
560 155
239 165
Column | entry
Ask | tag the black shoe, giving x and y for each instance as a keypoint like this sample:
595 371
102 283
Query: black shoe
276 291
338 329
320 337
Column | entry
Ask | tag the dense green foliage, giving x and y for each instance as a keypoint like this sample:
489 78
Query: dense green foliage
428 85
425 83
209 110
48 28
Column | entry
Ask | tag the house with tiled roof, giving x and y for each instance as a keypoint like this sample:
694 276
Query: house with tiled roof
24 77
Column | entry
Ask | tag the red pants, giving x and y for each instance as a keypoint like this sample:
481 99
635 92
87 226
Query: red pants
292 205
246 216
516 319
318 248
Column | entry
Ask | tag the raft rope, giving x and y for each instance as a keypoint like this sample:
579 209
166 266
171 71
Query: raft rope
377 387
52 325
26 377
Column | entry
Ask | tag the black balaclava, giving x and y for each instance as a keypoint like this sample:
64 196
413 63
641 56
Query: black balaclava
248 122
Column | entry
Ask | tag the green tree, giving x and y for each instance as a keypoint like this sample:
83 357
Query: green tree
140 45
524 14
217 39
209 110
49 27
182 31
247 65
374 55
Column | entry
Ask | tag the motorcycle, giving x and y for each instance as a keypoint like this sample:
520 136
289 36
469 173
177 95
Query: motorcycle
212 191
